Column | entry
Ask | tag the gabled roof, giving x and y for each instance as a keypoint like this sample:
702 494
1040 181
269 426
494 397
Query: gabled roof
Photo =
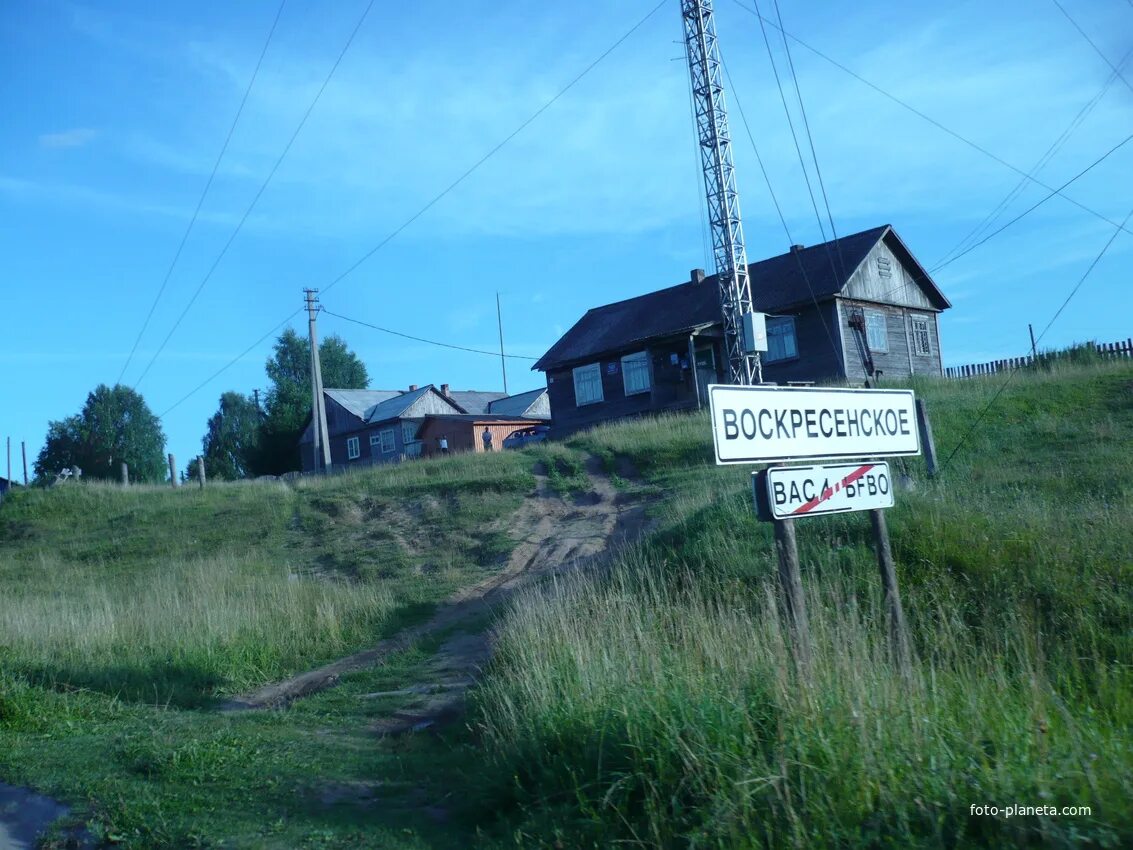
361 402
778 283
518 404
394 407
474 401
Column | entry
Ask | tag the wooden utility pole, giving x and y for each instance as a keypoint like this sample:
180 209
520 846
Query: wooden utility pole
1034 351
125 470
928 445
173 472
24 453
320 441
201 471
894 613
500 322
9 460
790 580
256 399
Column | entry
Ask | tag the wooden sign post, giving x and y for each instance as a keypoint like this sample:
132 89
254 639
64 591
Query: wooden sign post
758 424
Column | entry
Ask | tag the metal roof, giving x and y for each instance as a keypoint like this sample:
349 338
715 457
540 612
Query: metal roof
361 402
777 283
518 404
474 401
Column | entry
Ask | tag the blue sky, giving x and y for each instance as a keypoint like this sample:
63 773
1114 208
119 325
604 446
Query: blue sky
114 113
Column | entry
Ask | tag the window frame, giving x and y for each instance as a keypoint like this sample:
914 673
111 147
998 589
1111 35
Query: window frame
635 357
353 448
597 371
778 322
409 436
877 314
913 322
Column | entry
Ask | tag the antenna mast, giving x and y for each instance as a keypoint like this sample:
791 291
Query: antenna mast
706 72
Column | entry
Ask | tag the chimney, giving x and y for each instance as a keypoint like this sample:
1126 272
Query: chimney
444 389
412 388
696 276
796 248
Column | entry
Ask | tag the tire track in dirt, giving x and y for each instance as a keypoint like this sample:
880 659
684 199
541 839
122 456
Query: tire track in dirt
555 535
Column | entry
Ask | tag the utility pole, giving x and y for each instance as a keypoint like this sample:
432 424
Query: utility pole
500 322
706 72
321 442
24 454
256 399
1034 350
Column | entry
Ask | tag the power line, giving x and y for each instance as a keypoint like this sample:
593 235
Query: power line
1039 203
259 193
810 141
1042 162
494 150
1090 41
204 192
929 119
428 341
435 199
775 201
1058 313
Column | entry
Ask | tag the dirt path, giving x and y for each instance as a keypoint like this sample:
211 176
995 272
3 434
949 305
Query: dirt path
554 535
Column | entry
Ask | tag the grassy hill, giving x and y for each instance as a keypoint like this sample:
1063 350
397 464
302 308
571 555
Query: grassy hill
653 701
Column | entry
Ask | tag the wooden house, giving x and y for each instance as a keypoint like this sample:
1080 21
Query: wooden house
382 426
848 310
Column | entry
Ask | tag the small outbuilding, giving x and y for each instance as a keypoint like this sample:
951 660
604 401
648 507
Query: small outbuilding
465 431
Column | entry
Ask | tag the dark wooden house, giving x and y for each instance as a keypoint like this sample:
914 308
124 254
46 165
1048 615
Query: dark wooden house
848 310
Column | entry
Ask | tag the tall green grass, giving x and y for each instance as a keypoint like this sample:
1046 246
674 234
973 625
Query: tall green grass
659 704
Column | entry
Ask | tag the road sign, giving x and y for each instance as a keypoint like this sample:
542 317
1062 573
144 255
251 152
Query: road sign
760 424
789 492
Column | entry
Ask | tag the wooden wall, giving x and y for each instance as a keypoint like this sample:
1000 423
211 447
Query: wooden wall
818 359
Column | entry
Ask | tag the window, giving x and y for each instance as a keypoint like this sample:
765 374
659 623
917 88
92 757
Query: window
409 431
781 342
386 440
921 338
587 384
352 450
635 373
876 332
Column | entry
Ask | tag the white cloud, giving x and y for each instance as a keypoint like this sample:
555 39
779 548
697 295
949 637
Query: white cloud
75 138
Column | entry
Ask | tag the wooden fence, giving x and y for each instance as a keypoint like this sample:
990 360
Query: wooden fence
1123 348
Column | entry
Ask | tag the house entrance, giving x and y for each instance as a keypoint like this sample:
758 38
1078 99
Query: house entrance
705 371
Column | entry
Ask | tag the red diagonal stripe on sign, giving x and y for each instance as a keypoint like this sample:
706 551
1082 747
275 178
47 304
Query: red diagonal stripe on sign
830 491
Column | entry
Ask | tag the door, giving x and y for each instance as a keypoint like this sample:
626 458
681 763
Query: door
705 371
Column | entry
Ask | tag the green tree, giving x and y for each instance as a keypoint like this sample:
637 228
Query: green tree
231 443
115 425
288 401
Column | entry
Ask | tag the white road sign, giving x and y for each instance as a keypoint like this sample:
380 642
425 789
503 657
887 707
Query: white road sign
765 424
802 491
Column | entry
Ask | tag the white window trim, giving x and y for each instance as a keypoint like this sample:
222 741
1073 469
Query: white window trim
392 440
409 435
794 335
353 448
597 369
913 320
643 356
874 314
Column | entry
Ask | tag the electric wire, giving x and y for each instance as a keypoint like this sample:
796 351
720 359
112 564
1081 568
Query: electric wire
428 341
204 193
430 203
983 413
790 121
810 141
1092 44
975 146
259 192
775 202
1042 162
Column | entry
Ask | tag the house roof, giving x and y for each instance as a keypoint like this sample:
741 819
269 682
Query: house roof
474 401
484 417
798 276
393 407
361 402
518 404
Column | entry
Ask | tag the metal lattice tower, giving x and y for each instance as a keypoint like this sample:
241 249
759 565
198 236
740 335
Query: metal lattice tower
706 72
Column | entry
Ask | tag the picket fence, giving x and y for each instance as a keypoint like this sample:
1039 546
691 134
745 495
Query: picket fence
1123 348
